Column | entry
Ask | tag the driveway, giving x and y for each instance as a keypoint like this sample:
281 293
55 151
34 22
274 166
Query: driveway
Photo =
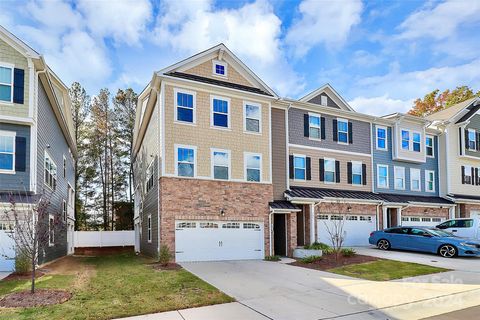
278 291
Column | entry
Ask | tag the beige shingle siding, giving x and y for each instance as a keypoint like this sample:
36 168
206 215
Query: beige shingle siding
11 56
206 70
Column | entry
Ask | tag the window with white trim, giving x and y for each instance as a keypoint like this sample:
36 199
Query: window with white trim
329 165
314 126
185 106
7 151
472 139
429 146
6 83
300 167
405 140
253 167
221 164
219 68
468 175
186 160
417 138
323 100
342 127
220 112
50 172
429 181
64 210
382 176
51 230
381 138
357 173
64 166
415 183
149 228
252 117
399 175
150 180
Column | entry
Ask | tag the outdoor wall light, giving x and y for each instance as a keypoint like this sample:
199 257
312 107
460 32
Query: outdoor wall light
222 213
349 208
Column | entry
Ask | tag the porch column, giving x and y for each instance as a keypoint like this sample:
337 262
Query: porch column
312 223
385 217
399 216
451 212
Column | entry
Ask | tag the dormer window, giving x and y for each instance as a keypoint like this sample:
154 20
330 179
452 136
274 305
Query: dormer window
405 139
416 141
219 68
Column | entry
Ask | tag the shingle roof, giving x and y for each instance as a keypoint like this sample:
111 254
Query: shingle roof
282 204
473 109
217 82
390 197
450 112
464 196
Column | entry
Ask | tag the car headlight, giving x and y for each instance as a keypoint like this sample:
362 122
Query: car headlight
466 244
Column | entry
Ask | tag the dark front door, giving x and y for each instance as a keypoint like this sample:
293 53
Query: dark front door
300 229
279 235
391 217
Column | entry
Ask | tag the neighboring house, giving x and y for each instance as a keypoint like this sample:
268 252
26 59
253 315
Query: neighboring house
459 145
37 150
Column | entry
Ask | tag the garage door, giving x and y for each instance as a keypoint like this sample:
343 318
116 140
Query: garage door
7 251
356 228
421 221
215 240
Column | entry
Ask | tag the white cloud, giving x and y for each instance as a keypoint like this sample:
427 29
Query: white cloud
380 105
441 21
323 22
362 59
55 15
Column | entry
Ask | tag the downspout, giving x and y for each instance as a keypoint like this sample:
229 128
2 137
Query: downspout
270 231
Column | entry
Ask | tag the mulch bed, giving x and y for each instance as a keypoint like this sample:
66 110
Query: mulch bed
41 297
169 266
329 262
23 276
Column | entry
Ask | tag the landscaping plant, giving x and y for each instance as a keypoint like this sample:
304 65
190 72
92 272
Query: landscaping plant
326 249
272 258
348 252
311 259
165 256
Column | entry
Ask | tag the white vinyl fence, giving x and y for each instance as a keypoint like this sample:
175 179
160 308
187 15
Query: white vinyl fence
84 239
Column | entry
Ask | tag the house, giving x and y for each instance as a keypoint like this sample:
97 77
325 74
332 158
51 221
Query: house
37 147
459 144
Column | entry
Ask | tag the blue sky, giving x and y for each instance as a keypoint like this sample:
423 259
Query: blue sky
379 55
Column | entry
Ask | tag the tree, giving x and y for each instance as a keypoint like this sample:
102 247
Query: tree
436 101
335 229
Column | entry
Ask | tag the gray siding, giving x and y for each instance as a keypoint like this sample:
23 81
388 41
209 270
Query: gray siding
361 133
279 154
20 181
50 137
474 124
318 100
385 157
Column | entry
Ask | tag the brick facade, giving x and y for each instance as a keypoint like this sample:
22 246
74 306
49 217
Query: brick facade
195 199
291 233
425 212
466 209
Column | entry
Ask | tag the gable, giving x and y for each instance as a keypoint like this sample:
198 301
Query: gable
333 99
323 96
206 69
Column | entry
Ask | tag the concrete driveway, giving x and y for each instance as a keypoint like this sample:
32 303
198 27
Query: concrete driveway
278 291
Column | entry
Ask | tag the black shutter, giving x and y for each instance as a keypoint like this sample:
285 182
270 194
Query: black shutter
350 132
20 154
335 130
309 168
349 172
478 141
460 140
18 85
466 139
322 169
364 174
473 176
337 171
290 167
306 125
322 124
476 177
463 174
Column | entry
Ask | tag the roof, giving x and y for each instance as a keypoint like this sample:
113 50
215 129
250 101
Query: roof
16 197
283 205
472 111
464 196
216 82
450 112
318 91
322 193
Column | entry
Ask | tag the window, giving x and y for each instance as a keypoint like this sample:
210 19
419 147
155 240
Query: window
150 180
299 166
50 172
352 218
252 117
323 217
221 164
314 126
381 138
342 126
6 83
220 114
208 225
253 164
7 151
405 140
415 184
219 68
356 173
429 146
382 176
186 161
249 225
472 139
231 225
186 225
64 210
468 175
430 181
329 170
185 109
399 174
416 141
64 166
323 100
51 230
149 228
366 218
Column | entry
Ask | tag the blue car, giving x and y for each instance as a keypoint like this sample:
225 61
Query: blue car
424 239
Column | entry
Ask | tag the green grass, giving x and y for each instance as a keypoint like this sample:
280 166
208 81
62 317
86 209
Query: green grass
122 286
384 270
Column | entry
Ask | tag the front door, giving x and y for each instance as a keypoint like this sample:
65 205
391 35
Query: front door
279 235
392 220
300 228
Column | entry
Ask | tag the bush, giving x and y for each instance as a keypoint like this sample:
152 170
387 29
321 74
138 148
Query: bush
311 259
348 252
22 263
165 256
326 249
272 258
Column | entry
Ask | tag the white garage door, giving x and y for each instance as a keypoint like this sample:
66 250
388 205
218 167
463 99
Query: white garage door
215 240
356 228
421 221
7 251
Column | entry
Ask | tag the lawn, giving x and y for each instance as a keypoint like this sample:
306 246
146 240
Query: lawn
384 270
116 286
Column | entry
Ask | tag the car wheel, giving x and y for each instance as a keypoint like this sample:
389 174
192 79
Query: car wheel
383 244
447 251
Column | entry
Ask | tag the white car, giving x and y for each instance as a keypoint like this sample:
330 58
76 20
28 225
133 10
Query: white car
462 227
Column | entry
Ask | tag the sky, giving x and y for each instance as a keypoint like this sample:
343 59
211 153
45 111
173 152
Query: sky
379 55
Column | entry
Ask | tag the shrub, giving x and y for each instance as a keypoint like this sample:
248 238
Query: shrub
272 258
165 256
326 249
348 252
311 259
22 263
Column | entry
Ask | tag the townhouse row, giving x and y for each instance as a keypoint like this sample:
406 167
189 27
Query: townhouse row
226 169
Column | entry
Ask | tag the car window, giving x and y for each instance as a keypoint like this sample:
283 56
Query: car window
417 232
441 233
398 230
447 224
464 223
